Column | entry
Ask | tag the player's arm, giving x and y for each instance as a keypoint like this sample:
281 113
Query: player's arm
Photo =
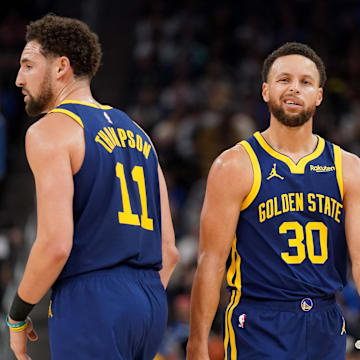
229 181
351 176
170 253
48 153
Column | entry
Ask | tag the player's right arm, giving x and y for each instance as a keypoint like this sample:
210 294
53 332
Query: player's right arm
229 182
170 254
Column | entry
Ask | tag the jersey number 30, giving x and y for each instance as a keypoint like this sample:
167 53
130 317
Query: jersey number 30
298 242
127 216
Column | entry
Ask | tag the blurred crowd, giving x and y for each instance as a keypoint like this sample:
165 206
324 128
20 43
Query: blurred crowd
194 85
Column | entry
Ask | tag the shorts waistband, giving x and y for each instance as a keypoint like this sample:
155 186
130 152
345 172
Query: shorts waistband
119 271
305 304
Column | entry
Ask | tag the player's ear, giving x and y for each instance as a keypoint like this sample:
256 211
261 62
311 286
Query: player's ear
319 96
265 91
62 66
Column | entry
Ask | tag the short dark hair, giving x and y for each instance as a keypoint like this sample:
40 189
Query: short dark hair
294 48
62 36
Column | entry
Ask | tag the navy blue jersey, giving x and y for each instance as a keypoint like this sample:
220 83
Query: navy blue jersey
290 238
117 216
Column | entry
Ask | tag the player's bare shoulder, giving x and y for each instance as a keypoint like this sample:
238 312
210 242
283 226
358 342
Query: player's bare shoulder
350 170
233 170
53 135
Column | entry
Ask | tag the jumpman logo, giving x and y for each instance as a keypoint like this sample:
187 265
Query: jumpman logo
273 173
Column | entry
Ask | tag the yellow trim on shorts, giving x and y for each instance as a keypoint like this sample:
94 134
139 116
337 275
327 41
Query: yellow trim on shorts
338 166
234 270
298 168
50 314
69 113
102 107
343 328
257 176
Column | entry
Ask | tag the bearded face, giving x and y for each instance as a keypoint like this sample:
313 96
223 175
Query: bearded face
37 104
292 90
290 119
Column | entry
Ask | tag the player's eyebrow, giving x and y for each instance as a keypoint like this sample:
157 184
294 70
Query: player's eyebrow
283 74
24 60
288 74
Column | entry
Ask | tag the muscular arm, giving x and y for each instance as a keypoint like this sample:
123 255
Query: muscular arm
229 181
48 153
170 254
351 176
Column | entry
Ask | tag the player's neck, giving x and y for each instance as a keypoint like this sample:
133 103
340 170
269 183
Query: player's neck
78 90
294 142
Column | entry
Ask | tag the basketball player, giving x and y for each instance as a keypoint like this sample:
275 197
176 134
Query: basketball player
105 241
274 218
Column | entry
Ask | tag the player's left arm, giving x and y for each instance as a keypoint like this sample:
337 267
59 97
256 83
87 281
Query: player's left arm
351 176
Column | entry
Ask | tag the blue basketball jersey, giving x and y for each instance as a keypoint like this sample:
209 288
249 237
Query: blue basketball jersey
117 218
290 238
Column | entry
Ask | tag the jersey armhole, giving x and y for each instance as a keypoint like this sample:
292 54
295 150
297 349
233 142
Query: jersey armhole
257 175
338 167
79 121
68 113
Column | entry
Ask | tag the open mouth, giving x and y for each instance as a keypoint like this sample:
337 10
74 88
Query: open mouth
292 103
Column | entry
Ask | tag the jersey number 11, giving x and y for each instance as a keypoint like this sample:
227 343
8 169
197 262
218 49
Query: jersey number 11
127 216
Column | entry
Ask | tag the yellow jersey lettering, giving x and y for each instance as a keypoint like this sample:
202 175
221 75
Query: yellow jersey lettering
327 206
146 150
131 141
320 202
109 143
338 212
291 201
122 136
294 202
139 143
285 203
109 135
98 140
333 207
299 201
109 138
262 214
114 136
311 201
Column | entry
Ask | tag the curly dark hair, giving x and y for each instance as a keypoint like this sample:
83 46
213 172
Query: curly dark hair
294 48
62 36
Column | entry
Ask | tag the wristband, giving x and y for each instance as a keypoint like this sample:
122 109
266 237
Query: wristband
17 327
20 309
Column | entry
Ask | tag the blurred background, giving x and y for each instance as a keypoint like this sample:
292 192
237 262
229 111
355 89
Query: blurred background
188 72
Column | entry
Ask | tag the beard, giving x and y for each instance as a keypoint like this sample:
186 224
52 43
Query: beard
39 105
289 119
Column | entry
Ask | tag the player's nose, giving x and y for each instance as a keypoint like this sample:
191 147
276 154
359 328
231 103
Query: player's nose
294 86
19 81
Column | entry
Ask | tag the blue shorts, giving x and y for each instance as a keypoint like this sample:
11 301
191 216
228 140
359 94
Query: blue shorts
308 329
116 314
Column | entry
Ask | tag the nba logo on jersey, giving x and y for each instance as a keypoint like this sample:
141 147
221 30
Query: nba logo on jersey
306 304
242 318
107 117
